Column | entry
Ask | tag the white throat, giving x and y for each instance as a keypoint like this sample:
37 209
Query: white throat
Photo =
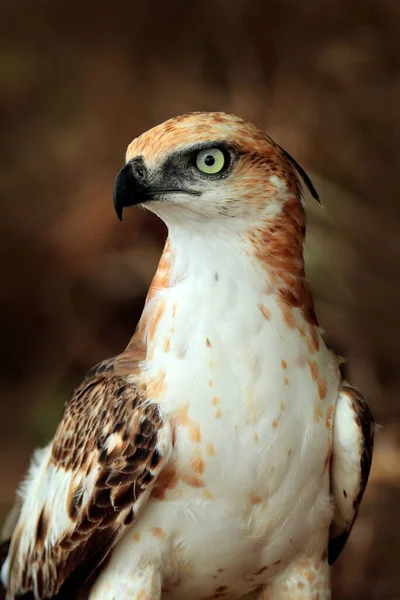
218 315
213 259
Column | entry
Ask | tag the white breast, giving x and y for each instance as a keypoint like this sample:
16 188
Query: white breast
232 365
252 432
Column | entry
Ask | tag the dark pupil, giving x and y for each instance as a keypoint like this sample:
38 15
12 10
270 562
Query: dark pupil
209 160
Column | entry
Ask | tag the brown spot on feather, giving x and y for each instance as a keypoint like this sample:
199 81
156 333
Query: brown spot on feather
255 498
310 576
167 480
317 411
195 433
301 331
155 319
287 313
196 462
210 449
329 416
182 418
158 533
314 369
315 338
192 480
322 388
156 386
161 278
265 312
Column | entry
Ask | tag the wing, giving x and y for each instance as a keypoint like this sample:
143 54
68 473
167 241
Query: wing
89 484
353 440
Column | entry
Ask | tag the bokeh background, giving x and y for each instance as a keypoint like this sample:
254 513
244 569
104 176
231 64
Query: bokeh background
79 80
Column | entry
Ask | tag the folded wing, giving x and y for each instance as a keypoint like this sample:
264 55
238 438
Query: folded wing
89 484
353 439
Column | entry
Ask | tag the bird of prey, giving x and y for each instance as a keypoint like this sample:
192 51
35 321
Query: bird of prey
221 452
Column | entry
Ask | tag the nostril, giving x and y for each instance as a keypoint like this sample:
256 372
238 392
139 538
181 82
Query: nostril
138 169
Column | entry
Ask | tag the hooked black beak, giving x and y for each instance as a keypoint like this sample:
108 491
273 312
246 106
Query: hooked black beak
132 187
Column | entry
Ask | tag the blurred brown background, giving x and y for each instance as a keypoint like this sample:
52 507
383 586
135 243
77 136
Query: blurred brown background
79 80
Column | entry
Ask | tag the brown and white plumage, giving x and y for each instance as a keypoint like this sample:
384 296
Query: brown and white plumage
90 483
221 452
353 442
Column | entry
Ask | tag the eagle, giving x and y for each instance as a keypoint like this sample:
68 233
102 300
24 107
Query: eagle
221 452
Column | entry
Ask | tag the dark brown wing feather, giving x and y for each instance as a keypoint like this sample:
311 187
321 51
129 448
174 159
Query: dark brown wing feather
353 441
110 446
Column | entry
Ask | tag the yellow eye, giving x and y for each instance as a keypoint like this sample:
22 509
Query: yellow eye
210 161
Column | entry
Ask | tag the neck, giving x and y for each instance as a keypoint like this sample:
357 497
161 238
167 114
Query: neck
267 258
279 249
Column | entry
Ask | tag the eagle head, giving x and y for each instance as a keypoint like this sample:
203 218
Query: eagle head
203 167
